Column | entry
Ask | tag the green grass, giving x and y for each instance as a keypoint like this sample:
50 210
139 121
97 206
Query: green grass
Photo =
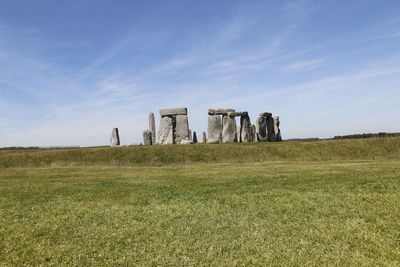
323 203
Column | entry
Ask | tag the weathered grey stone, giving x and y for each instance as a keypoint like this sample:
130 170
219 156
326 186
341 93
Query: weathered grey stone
115 137
147 138
186 142
165 131
262 133
204 139
214 129
228 129
254 132
152 127
194 138
271 129
181 128
173 112
245 127
278 136
234 114
220 111
243 113
265 114
238 131
190 135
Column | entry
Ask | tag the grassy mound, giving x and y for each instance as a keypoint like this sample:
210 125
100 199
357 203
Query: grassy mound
364 149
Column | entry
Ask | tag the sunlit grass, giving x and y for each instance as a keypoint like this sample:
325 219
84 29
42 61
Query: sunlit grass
236 211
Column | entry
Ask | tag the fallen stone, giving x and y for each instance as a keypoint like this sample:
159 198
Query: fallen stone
228 129
173 112
186 142
220 111
278 136
265 114
115 137
152 127
261 125
181 131
245 127
147 138
165 131
214 129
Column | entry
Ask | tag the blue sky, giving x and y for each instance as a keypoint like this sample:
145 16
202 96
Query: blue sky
70 71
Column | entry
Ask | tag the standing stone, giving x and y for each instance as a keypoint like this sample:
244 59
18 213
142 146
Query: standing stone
270 129
190 135
278 136
115 137
228 129
245 126
254 133
181 128
152 127
165 131
147 137
194 137
204 138
262 134
238 131
214 129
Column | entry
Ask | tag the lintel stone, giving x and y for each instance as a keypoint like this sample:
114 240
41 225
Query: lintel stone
173 112
265 114
220 111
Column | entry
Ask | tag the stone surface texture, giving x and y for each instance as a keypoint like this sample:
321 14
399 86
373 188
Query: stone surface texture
278 136
204 138
181 128
114 140
265 114
254 132
228 129
186 142
173 111
214 129
245 127
271 129
238 131
261 125
165 131
220 111
147 137
194 139
152 127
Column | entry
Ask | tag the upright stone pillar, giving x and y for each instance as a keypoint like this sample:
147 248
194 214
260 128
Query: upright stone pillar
214 129
147 137
152 127
115 137
271 129
238 131
204 138
182 129
278 136
165 131
194 137
254 133
262 134
245 126
228 129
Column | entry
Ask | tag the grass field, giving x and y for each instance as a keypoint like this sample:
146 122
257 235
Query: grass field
319 203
